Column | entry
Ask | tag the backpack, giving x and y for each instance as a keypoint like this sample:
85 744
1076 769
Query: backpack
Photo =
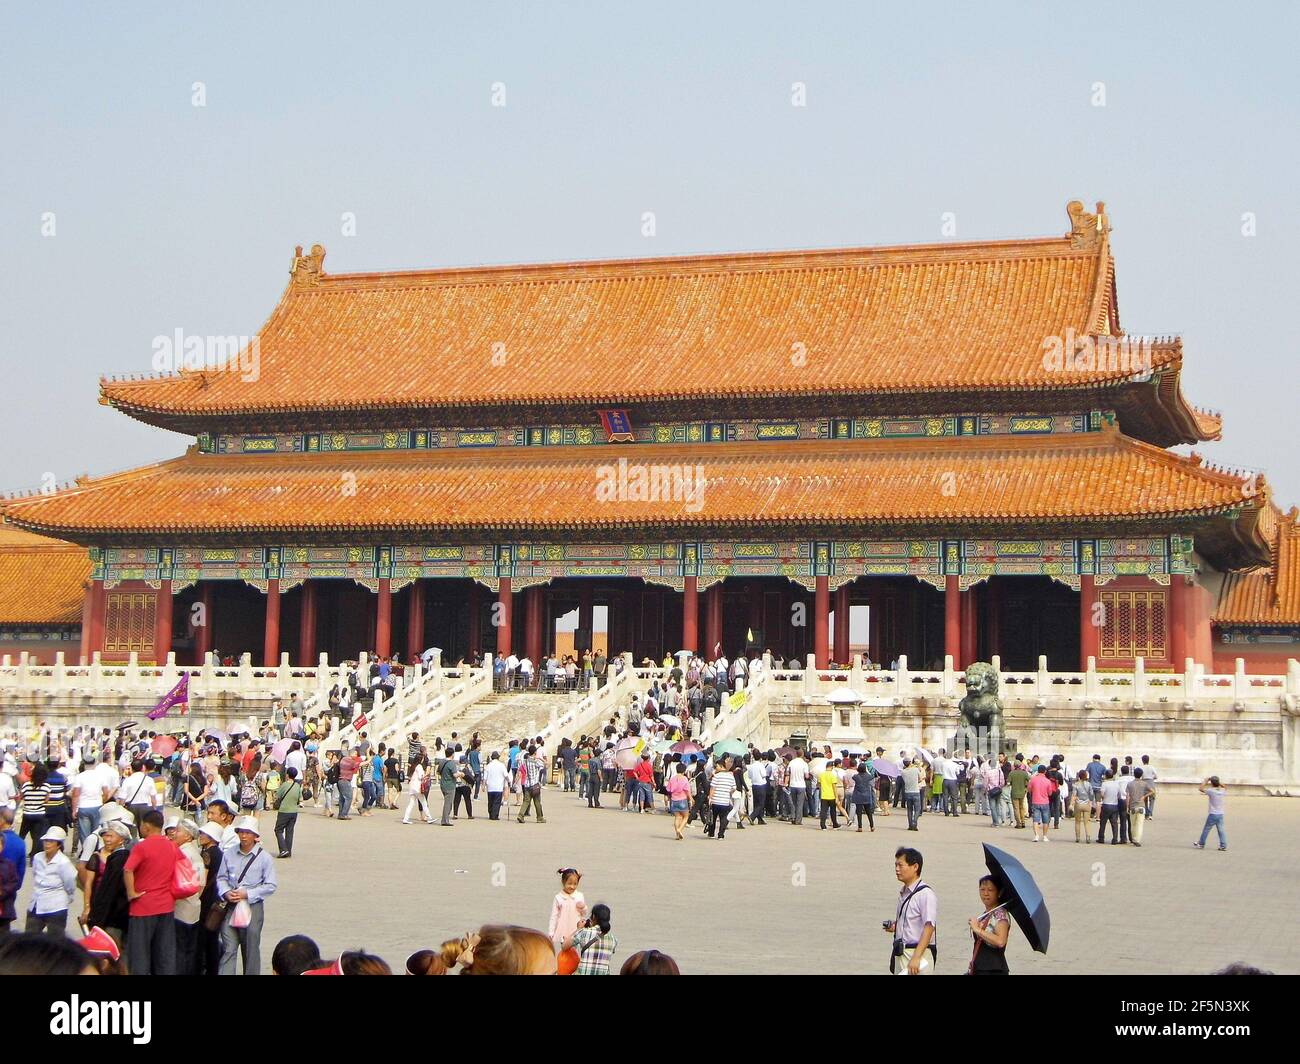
248 794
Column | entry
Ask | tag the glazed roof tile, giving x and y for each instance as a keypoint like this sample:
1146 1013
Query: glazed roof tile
1102 476
42 580
1267 595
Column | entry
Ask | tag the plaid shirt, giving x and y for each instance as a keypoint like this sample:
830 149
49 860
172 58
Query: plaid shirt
594 951
533 771
782 777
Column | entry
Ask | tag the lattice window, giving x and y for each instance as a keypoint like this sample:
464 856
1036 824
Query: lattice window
1135 625
130 622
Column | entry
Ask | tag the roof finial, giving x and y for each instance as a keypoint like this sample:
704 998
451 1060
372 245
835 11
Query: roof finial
1086 229
307 269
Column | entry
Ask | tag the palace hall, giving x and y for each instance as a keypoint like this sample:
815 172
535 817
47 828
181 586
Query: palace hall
722 451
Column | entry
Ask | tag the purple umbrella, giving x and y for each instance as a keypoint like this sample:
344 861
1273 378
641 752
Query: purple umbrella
217 736
886 768
280 749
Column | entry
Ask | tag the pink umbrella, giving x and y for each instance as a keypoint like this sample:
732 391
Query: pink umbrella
686 747
279 750
625 754
164 745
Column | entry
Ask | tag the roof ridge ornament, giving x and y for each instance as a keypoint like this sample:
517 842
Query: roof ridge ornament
1086 229
307 269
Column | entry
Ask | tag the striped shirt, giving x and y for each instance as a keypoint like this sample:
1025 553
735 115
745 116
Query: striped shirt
532 771
594 951
34 797
721 788
56 791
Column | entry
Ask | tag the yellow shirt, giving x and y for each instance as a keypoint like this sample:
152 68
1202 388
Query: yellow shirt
828 779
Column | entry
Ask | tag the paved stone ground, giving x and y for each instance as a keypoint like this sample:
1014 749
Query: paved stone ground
735 907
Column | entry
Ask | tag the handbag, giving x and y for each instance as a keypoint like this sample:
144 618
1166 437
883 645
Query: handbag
186 882
995 792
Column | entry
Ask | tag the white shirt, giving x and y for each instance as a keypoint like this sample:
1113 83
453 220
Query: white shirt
798 772
1123 782
7 791
950 768
297 759
89 788
1110 792
758 773
495 775
137 789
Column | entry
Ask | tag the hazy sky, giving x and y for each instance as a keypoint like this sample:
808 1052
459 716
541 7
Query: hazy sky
169 215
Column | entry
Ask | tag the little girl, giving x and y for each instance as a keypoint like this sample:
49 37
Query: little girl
569 910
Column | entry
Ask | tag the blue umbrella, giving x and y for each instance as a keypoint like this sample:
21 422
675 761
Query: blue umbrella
1020 894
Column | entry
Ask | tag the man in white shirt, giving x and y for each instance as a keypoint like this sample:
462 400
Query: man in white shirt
512 670
8 791
950 769
798 787
495 775
297 759
757 773
90 789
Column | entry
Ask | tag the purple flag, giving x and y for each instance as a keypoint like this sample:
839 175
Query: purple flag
177 696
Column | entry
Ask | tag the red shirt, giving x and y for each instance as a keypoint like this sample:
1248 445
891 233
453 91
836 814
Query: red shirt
1040 789
153 860
348 768
645 771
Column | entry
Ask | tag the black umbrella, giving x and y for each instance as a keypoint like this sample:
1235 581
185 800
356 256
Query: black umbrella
1021 895
127 724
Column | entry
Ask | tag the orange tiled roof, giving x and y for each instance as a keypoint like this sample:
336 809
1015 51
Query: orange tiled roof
41 580
1267 595
918 318
1104 476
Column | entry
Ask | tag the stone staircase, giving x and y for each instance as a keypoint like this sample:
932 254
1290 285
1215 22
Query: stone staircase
500 717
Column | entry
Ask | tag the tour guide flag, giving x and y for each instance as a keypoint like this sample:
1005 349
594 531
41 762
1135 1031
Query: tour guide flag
618 426
177 696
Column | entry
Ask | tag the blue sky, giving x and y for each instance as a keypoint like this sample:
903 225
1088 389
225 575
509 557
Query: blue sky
173 216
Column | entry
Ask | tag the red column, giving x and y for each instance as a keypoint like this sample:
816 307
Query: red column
952 621
415 621
384 619
162 639
842 608
587 614
712 631
87 620
1089 634
1178 621
821 622
99 604
968 635
534 604
203 633
307 624
690 614
505 604
271 644
475 621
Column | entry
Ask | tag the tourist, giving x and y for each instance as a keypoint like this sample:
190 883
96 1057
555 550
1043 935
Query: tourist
798 787
103 883
1215 793
330 782
1149 774
649 962
1096 776
449 777
990 930
950 770
721 789
294 955
495 778
1137 806
464 786
759 774
54 884
916 920
864 793
532 774
1039 789
474 763
148 874
285 803
415 790
348 767
91 788
186 914
1082 796
1109 807
568 910
500 949
35 954
911 780
208 959
678 786
32 795
246 880
827 782
593 942
1019 782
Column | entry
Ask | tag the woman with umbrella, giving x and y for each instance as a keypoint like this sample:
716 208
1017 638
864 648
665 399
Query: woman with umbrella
990 930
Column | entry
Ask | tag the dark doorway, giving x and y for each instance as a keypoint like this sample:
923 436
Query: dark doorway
1034 615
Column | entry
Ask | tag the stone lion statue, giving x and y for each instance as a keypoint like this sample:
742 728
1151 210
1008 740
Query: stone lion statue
981 709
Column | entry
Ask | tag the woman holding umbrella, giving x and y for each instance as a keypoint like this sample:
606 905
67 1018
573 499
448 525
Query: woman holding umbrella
990 930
